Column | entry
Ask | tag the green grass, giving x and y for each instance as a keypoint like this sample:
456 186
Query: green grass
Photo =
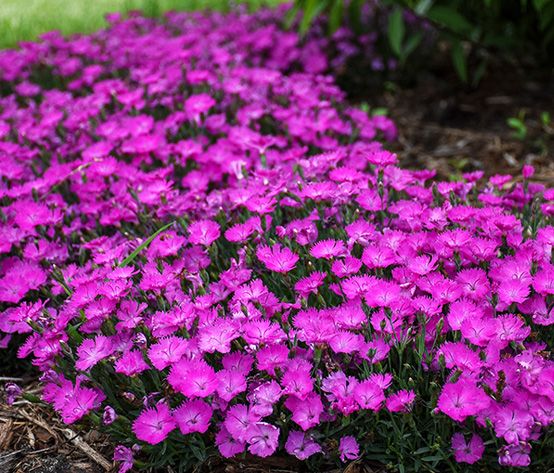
25 20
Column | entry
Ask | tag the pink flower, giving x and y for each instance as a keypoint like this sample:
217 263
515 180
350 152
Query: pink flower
467 452
348 448
131 363
515 455
153 425
230 384
263 439
198 104
513 291
203 232
167 351
263 398
79 403
193 416
124 455
528 171
309 285
239 420
306 412
462 399
382 157
543 281
328 249
297 382
301 445
193 378
369 395
227 444
277 258
218 337
91 351
346 267
109 415
21 277
513 424
400 401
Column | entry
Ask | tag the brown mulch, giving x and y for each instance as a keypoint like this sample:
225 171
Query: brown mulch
34 440
454 129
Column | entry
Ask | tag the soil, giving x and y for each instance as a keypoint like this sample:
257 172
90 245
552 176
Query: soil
446 126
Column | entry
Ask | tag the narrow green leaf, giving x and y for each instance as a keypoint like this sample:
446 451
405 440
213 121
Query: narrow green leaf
396 31
449 18
144 244
459 60
423 7
432 458
312 9
335 16
411 44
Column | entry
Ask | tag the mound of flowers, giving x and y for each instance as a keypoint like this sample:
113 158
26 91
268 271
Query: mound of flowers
209 250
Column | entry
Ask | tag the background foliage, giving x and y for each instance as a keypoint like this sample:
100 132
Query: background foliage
473 30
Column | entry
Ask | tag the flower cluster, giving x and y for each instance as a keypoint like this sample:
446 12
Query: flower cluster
208 247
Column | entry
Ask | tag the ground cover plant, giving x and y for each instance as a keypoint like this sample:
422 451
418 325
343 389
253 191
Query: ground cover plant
211 252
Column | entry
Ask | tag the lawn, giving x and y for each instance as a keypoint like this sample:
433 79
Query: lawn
25 20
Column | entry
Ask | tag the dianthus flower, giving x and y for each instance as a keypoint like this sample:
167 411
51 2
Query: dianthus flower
462 399
469 452
301 445
193 416
348 448
153 425
203 232
277 258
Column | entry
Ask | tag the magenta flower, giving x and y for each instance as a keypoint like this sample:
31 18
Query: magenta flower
301 445
167 351
263 439
131 363
513 424
227 444
230 383
193 416
369 395
125 456
462 399
193 378
277 258
109 415
239 420
470 452
153 425
204 232
348 448
13 391
305 412
515 455
328 249
400 401
79 403
309 285
198 104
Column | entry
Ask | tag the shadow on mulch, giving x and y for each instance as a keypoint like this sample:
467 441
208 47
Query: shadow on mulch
453 129
33 440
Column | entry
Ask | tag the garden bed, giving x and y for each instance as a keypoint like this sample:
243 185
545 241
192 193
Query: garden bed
214 252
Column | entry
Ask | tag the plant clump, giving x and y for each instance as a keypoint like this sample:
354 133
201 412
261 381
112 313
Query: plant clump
211 251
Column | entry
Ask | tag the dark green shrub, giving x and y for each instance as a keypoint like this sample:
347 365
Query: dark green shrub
474 30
